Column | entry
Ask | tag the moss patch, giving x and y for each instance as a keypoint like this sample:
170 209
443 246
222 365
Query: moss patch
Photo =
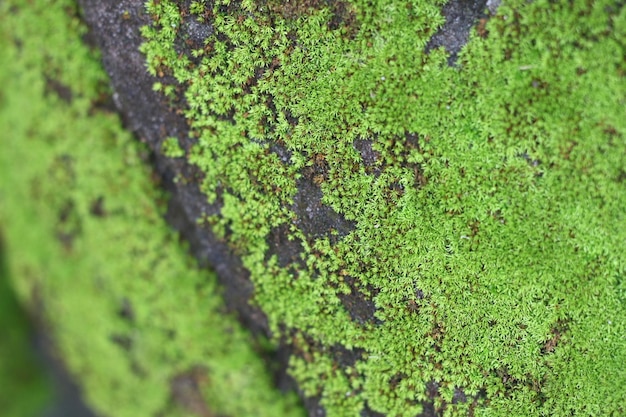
142 329
487 199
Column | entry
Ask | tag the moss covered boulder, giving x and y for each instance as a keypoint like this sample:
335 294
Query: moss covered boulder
421 205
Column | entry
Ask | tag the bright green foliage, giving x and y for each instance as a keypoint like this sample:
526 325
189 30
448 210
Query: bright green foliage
132 317
171 148
492 237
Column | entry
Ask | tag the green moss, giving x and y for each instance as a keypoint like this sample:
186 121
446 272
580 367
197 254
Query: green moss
493 234
132 317
171 148
25 389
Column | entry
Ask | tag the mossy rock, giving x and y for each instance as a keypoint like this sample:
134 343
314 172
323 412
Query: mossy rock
421 230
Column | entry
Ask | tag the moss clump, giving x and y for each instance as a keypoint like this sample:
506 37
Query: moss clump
488 198
171 148
141 328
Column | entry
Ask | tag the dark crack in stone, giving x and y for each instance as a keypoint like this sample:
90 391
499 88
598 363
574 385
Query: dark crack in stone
346 357
368 155
315 218
287 250
359 305
283 153
461 16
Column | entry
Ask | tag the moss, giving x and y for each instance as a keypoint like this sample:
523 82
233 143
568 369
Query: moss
171 148
26 390
136 322
489 215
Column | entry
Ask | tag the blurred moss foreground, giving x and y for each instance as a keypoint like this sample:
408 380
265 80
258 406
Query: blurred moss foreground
135 321
23 388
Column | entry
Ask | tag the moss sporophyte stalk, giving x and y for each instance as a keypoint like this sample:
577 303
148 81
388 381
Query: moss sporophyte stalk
483 202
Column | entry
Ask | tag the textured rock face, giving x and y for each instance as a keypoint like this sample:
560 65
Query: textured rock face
423 230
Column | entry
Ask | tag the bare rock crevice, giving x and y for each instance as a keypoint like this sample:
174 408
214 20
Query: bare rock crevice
461 16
